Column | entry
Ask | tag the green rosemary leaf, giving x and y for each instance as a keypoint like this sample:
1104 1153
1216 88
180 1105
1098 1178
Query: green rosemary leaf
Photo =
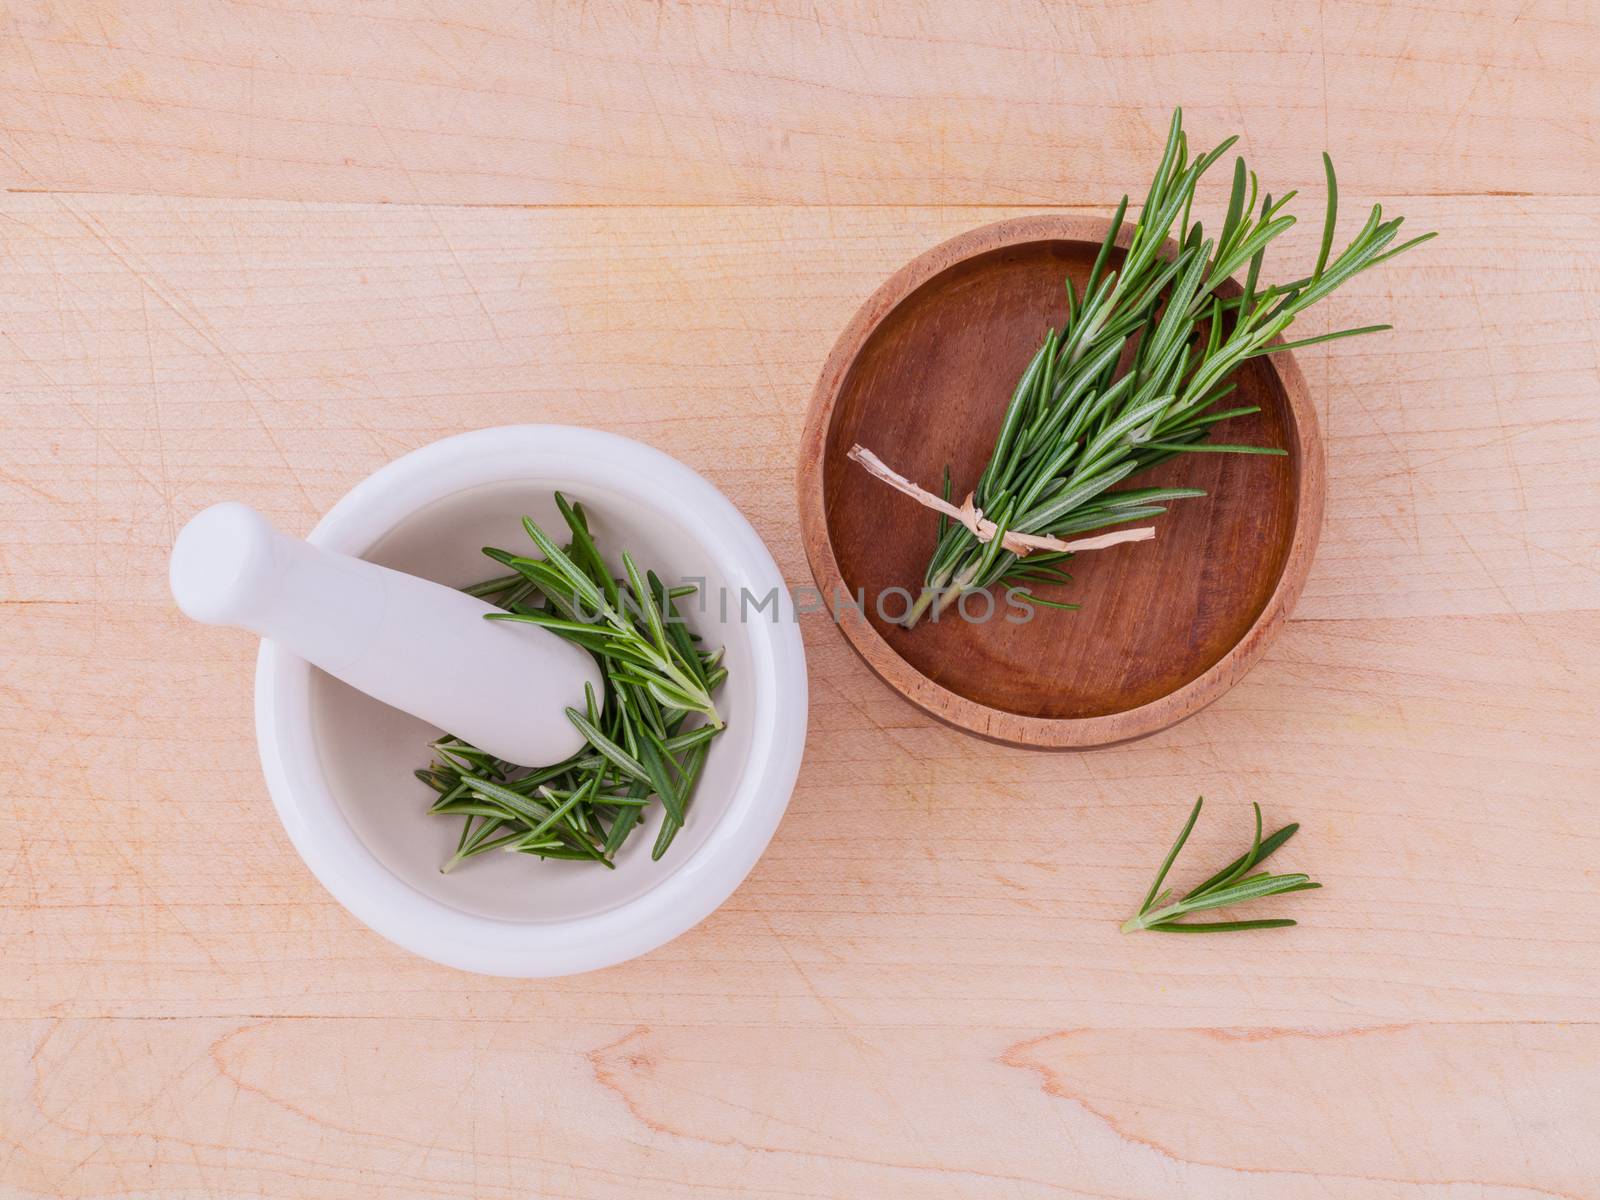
1213 448
671 697
579 584
1141 496
1033 598
614 753
479 842
1321 337
1221 926
646 603
1259 854
1101 518
1237 869
578 852
1249 247
1332 216
1073 496
1251 889
552 584
1172 855
1206 419
560 811
1105 247
1235 207
582 629
677 743
944 490
661 778
1247 300
626 820
450 761
1042 575
518 594
515 805
692 764
493 587
473 807
1121 428
585 550
650 709
1402 248
1015 412
677 631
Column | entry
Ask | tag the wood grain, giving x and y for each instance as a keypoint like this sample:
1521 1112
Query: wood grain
324 1108
611 102
893 1004
920 376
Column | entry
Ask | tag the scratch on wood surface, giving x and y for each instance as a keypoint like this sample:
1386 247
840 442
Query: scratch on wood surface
248 383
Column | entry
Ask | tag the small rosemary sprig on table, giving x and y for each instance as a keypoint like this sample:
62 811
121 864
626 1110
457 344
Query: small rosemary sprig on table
1231 885
640 743
1135 375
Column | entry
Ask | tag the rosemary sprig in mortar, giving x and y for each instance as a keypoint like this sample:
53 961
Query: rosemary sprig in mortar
639 745
1134 376
1232 885
635 632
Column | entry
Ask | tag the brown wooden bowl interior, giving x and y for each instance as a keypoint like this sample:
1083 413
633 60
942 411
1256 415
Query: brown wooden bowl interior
922 377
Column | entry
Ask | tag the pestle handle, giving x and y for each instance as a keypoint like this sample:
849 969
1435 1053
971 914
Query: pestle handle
416 645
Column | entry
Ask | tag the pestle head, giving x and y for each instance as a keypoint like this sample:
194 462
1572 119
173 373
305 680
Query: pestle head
222 563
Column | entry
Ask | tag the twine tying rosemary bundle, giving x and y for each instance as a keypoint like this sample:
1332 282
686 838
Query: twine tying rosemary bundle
971 516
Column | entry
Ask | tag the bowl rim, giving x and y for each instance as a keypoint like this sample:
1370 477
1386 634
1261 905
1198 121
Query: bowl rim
391 907
997 724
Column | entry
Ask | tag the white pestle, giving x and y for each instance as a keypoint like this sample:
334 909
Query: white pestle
419 646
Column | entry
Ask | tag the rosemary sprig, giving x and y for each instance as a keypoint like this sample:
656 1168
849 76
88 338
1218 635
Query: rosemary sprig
639 740
1232 885
622 626
1139 367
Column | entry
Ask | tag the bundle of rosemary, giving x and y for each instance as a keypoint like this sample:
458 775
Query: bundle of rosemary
1134 375
640 743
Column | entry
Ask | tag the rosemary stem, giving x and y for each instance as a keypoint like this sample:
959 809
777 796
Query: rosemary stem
918 608
953 592
1154 917
932 588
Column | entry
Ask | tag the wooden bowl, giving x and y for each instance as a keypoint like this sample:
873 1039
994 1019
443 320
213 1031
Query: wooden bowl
921 376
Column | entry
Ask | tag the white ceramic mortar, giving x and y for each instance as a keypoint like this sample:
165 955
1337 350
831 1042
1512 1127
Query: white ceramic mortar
339 764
